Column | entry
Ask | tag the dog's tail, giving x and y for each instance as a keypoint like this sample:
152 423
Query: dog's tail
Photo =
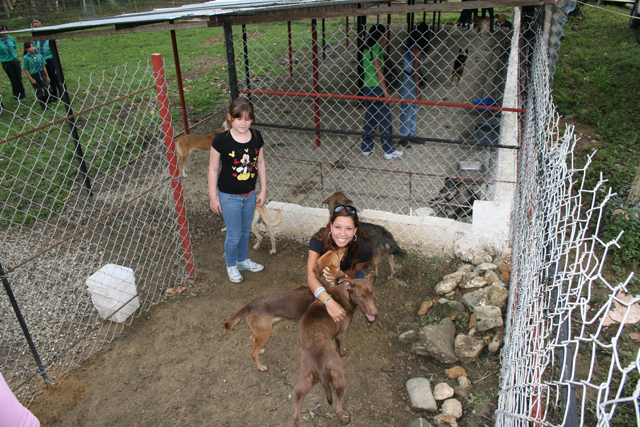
265 216
236 318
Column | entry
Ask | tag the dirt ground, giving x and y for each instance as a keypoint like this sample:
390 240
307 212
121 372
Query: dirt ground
177 365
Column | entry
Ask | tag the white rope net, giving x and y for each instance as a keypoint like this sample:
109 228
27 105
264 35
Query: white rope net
561 364
54 235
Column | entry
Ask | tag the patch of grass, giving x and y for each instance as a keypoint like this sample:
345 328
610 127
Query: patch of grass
596 83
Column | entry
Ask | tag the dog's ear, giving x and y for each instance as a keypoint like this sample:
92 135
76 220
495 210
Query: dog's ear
369 277
326 202
348 284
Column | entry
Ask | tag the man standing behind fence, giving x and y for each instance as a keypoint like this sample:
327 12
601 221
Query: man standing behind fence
42 46
10 63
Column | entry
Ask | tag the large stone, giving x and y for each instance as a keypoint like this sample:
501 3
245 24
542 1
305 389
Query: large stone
487 317
442 391
475 283
485 266
419 390
419 422
491 277
438 341
452 407
451 308
446 286
480 256
457 276
468 348
465 268
445 420
496 342
408 336
470 275
505 256
494 295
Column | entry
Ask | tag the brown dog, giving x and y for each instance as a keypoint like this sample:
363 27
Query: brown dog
186 143
383 244
320 359
266 309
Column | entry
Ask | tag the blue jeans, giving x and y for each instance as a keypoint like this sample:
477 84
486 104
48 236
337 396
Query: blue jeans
237 212
409 112
377 115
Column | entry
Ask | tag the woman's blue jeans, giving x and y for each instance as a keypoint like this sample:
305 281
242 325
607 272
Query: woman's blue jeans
376 115
409 112
237 212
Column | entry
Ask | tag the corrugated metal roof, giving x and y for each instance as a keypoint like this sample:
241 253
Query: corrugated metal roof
192 11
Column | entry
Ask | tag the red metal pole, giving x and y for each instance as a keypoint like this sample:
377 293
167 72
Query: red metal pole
176 58
172 158
290 49
316 78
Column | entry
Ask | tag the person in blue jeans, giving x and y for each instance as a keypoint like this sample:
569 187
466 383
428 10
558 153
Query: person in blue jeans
342 231
377 114
236 162
417 45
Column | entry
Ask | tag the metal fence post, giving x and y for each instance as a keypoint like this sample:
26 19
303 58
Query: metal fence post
23 324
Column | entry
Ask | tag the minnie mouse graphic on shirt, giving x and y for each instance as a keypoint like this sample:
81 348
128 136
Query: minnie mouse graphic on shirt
245 167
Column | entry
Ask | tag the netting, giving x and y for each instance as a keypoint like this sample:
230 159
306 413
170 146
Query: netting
306 82
55 233
564 361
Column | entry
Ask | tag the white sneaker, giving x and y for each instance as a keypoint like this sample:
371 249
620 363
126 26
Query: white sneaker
249 265
392 155
234 274
366 153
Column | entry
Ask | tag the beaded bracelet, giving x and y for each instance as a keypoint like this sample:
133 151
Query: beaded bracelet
319 291
327 300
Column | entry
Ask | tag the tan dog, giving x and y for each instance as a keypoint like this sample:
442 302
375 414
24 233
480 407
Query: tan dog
320 360
481 24
262 217
266 309
330 259
383 244
186 143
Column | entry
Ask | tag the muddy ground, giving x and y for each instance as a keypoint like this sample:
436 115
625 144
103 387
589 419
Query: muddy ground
178 366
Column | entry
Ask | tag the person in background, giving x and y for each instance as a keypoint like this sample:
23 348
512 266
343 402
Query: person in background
417 45
12 413
11 64
377 114
34 68
236 162
42 46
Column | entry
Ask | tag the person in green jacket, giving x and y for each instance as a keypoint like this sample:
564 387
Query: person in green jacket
34 67
42 47
10 63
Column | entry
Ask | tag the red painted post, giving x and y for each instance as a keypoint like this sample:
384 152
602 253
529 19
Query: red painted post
290 49
316 78
172 158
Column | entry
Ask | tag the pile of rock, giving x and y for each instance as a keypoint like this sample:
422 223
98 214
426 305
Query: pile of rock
475 297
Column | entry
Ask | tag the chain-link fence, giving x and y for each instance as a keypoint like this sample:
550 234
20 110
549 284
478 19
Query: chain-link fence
81 192
457 132
565 361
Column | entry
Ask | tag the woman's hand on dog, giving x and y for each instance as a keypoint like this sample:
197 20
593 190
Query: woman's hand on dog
326 272
335 310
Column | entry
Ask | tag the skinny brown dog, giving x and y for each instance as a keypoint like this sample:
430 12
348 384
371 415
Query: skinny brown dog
186 143
383 245
259 217
266 309
321 357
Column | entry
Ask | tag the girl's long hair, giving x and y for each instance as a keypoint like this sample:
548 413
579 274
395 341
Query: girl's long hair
421 35
353 248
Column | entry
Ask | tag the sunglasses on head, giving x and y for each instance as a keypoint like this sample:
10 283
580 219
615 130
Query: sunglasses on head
349 209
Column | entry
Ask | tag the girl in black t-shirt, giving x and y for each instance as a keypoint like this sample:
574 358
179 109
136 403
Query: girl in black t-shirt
342 231
236 162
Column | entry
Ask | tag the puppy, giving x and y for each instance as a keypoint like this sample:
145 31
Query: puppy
383 244
481 24
502 22
331 260
458 66
186 143
266 309
261 217
320 359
